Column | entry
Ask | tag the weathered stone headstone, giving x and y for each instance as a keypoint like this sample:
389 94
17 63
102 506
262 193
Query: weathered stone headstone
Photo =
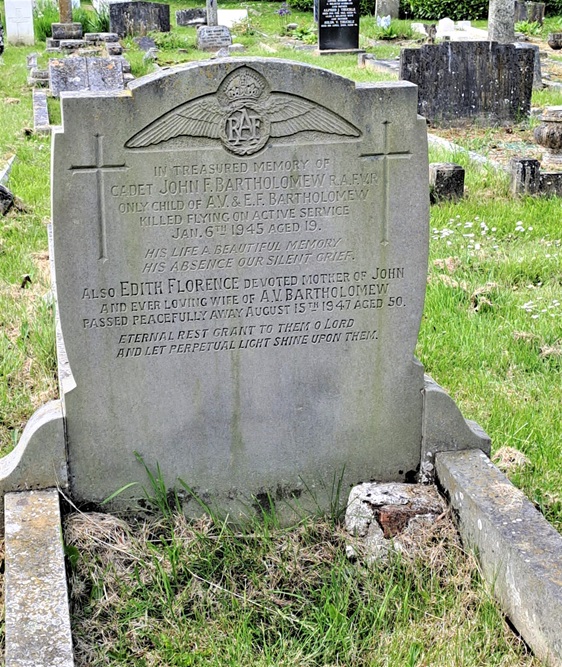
338 25
84 73
191 17
241 259
387 8
19 22
138 17
458 81
213 37
501 21
533 12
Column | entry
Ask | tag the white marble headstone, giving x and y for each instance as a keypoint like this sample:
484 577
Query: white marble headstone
19 22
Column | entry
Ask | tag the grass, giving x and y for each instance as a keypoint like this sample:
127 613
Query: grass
164 591
168 591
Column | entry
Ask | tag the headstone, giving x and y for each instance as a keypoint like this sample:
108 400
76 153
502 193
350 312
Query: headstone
138 17
84 73
532 12
501 20
460 81
19 22
338 25
213 37
191 17
445 27
387 8
241 259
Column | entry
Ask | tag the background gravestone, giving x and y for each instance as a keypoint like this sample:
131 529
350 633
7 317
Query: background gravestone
190 17
85 73
19 22
387 8
213 37
138 17
460 81
241 259
338 25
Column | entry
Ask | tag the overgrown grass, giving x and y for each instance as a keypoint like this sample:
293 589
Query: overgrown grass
166 591
27 361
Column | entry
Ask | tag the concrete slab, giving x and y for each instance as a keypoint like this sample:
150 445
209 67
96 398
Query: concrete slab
519 551
37 613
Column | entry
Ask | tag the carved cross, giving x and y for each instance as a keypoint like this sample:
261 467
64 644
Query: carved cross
99 169
386 156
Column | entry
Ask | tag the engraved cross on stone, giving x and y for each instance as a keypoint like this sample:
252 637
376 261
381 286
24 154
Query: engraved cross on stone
99 169
385 157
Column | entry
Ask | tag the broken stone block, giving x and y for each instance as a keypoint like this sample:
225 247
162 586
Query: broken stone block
446 181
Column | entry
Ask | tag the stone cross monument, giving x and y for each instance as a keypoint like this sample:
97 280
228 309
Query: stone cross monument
501 21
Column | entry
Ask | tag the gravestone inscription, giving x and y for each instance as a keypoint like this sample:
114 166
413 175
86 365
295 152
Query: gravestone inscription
213 37
241 259
338 25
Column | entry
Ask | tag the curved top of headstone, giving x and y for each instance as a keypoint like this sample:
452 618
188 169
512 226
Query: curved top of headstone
241 257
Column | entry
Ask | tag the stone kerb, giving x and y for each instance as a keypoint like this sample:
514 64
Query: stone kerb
245 307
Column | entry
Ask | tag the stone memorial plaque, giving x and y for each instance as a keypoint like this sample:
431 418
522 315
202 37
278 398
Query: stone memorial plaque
213 37
241 259
338 25
19 22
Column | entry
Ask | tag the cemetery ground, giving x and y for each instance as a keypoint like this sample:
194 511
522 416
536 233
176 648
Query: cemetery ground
168 592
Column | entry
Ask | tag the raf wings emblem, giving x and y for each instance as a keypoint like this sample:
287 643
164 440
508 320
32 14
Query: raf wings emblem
243 114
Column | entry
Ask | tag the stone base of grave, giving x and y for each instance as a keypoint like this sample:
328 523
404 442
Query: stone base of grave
40 113
337 52
37 613
66 31
446 181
